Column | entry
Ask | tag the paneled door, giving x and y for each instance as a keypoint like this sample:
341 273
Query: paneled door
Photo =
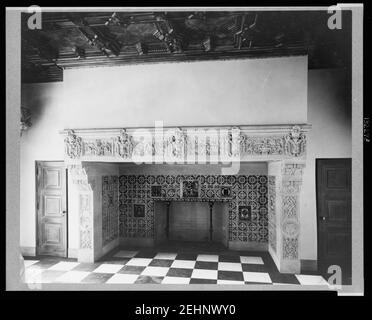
51 207
334 215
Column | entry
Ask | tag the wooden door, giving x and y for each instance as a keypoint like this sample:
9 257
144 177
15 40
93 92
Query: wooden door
334 215
51 208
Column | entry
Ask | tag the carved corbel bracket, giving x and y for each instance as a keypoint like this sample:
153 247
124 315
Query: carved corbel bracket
124 145
295 142
73 145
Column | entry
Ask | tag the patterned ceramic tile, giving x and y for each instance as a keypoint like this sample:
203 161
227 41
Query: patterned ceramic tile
245 191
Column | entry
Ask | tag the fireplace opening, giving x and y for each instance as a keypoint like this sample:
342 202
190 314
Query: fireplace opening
191 222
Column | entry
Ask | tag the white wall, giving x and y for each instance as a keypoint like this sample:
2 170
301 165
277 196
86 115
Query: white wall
249 91
329 113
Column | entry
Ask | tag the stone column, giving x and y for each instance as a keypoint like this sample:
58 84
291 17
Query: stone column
286 177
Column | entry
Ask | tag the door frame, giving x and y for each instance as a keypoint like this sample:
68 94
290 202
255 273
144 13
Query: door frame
320 264
37 242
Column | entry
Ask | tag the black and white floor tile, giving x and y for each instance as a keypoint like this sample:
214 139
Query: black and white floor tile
144 266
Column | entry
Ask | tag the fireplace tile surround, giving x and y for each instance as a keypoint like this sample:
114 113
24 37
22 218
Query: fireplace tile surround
246 191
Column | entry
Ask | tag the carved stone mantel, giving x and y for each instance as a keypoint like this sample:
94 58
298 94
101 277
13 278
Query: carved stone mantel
282 144
186 144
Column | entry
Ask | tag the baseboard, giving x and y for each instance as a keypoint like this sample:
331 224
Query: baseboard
309 265
137 242
112 245
28 251
247 246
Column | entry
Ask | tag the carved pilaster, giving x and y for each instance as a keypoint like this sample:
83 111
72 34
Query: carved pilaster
290 214
285 180
81 206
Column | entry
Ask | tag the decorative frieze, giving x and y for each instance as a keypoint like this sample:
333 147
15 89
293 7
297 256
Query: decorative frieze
98 147
261 143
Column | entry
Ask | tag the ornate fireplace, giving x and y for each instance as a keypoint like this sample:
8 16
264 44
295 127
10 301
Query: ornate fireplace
283 147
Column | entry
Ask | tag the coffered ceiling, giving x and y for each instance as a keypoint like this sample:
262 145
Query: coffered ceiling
88 39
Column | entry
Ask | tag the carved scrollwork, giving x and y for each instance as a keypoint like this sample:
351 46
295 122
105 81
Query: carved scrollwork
290 228
85 222
295 142
261 145
293 170
124 145
290 248
73 145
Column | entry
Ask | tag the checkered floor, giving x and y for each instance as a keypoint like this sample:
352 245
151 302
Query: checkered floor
133 267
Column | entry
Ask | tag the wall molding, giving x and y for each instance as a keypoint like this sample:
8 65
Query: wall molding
251 246
137 242
108 247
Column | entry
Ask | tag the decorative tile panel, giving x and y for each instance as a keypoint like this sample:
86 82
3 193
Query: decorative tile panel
249 191
271 212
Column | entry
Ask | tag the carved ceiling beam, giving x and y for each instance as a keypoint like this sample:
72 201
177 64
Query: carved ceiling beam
207 44
198 15
43 48
141 48
80 52
116 20
244 30
99 37
164 31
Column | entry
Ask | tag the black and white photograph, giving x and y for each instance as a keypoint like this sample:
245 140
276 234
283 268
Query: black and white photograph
185 148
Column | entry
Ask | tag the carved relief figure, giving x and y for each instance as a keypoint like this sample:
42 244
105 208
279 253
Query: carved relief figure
73 145
98 148
124 144
295 142
175 144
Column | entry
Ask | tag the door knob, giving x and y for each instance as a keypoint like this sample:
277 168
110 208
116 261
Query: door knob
323 218
63 213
